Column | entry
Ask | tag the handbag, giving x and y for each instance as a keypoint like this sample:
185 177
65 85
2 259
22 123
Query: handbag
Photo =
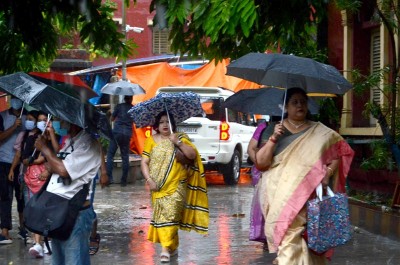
51 215
31 177
328 221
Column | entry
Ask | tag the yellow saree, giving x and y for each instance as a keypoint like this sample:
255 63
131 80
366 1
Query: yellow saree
288 184
181 201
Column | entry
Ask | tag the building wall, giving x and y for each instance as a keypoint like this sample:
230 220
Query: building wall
136 16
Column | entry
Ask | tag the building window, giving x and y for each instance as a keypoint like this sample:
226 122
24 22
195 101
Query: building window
161 44
375 67
376 64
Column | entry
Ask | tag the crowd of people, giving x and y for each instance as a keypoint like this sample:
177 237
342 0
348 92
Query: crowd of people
37 149
33 152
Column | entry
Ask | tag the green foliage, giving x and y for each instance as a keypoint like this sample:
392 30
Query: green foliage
350 5
329 113
381 157
220 29
29 31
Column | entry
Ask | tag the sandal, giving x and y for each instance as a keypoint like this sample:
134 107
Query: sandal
94 244
164 257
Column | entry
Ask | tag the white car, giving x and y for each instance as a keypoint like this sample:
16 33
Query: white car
222 136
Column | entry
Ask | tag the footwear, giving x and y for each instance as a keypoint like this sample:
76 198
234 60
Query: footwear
110 182
164 257
45 249
94 244
29 240
123 184
4 240
36 251
173 253
22 233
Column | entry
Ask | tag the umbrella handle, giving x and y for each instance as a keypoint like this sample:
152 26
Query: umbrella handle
169 122
47 123
22 109
284 104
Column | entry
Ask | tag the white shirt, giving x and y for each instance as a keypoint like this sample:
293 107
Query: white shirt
82 164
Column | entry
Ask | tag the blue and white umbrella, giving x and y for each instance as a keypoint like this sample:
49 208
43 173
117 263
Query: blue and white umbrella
181 106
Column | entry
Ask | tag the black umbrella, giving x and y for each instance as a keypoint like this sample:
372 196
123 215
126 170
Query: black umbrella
63 104
286 71
65 82
266 101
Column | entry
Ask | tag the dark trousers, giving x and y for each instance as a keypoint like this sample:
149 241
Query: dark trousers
6 195
122 141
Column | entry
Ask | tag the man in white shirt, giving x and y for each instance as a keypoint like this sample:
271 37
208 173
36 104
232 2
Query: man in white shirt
76 164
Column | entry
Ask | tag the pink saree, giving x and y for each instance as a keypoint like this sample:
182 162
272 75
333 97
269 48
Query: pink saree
288 184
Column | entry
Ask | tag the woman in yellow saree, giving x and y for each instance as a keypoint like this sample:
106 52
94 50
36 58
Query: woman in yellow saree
178 190
297 156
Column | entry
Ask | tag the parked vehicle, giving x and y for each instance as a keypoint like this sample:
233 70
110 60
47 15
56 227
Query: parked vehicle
222 135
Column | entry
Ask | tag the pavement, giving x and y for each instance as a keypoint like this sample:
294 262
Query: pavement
124 214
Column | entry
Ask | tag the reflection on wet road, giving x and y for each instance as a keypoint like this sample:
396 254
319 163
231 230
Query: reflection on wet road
124 215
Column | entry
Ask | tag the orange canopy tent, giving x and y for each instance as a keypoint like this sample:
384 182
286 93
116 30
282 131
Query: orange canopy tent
153 76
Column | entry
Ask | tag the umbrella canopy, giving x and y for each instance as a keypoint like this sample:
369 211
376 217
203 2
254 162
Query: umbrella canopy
266 101
181 106
52 100
122 87
68 83
286 71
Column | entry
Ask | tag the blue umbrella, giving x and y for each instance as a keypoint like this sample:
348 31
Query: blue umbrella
181 106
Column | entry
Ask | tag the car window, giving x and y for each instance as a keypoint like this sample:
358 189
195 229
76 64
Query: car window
212 107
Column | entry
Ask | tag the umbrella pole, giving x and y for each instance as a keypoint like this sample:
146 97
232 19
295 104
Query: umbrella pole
169 122
22 109
34 151
284 104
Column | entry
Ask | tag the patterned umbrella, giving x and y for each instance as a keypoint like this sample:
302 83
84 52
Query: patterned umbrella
181 106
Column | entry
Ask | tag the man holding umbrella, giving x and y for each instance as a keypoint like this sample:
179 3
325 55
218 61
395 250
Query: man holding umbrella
122 133
75 165
11 123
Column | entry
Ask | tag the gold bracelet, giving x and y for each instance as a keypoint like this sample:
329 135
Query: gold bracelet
329 168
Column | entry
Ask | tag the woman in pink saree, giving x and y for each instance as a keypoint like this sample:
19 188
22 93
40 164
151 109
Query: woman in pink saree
297 156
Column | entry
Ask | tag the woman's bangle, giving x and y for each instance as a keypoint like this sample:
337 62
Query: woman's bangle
329 168
273 140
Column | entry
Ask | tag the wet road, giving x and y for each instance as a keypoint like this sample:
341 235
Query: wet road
124 214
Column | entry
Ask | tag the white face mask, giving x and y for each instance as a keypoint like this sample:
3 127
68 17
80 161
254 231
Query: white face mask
41 125
29 125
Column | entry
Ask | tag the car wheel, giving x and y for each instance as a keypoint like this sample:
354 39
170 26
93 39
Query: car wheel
231 171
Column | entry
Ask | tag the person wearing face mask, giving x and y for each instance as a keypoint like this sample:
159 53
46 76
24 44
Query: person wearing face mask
75 165
23 139
11 123
32 167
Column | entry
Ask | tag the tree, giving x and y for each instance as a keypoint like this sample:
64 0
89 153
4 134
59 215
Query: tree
220 29
29 31
386 12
